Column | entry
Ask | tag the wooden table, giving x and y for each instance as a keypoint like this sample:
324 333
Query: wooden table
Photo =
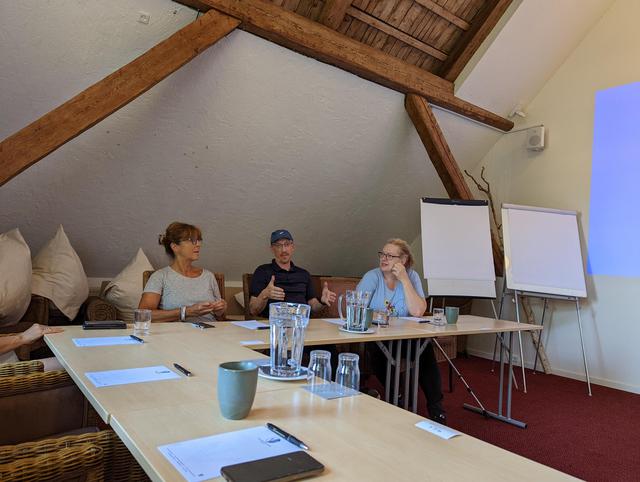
357 437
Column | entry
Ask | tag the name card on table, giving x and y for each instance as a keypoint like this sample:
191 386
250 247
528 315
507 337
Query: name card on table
437 429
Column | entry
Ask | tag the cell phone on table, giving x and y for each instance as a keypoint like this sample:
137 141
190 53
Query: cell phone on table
281 468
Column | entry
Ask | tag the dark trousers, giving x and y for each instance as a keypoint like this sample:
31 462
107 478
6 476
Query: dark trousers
429 377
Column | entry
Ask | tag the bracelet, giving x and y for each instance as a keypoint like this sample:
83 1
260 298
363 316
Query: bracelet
183 313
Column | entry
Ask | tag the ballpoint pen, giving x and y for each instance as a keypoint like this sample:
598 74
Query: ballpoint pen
263 327
287 436
136 338
183 370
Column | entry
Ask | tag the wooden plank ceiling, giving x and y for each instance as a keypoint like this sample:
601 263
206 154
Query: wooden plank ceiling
438 36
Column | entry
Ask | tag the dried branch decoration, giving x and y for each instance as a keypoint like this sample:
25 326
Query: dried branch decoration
486 189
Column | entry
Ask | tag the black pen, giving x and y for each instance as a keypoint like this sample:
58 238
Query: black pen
287 436
136 338
183 370
263 327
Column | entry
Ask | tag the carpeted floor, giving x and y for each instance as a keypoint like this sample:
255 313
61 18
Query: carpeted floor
594 438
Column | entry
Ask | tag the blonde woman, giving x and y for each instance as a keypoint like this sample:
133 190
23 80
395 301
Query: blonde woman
396 288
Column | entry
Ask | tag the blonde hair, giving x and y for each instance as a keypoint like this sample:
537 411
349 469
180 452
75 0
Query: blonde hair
405 249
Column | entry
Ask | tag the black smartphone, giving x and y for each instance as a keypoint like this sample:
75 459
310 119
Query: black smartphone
104 325
281 468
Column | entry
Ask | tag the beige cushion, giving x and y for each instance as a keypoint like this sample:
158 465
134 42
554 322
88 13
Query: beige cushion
15 277
59 276
125 290
239 296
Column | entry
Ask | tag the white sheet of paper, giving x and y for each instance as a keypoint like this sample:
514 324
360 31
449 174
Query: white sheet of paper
335 321
105 341
437 429
202 458
251 342
109 378
249 324
417 318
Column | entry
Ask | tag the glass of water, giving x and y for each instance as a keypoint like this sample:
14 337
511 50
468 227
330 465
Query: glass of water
348 372
438 317
319 369
288 323
141 322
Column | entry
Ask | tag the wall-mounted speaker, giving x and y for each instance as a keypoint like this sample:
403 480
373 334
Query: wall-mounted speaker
535 138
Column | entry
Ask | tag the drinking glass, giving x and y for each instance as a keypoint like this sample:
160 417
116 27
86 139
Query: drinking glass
288 323
319 369
438 317
348 373
381 318
141 322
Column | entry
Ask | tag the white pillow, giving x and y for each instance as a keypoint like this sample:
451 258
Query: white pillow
59 276
125 290
15 277
239 296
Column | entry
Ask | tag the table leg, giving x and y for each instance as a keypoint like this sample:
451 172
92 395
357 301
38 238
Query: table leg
407 376
396 373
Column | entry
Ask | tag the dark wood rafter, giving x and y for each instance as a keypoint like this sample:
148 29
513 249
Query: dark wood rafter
333 12
396 33
445 164
444 13
40 138
486 19
322 43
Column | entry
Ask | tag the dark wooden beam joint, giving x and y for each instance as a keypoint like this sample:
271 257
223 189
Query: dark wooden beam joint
443 161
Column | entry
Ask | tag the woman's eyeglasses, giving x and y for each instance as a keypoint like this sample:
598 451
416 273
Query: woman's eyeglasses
193 241
383 255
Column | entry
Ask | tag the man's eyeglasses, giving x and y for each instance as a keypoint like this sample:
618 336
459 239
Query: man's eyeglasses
382 255
193 241
286 244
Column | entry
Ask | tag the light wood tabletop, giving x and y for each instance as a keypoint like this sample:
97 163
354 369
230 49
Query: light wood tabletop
356 438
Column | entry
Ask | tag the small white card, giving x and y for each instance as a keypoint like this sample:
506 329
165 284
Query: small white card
109 378
202 458
251 324
437 429
334 321
105 341
251 342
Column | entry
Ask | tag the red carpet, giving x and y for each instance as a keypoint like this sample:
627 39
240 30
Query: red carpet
594 438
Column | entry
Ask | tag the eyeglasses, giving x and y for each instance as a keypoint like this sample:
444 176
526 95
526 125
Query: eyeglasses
193 241
286 244
382 255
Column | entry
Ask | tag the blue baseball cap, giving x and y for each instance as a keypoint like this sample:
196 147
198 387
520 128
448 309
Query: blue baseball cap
280 234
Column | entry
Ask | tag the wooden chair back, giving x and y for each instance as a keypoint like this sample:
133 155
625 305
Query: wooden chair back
338 285
219 279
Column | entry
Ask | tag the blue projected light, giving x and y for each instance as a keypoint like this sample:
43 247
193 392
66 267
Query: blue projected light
614 218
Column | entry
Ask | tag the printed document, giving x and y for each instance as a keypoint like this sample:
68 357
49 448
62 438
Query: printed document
202 458
105 341
250 324
109 378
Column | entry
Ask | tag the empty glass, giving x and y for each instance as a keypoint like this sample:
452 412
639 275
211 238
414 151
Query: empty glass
141 322
438 317
319 369
288 323
348 373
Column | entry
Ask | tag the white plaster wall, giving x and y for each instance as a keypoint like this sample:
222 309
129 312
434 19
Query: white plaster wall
246 138
560 177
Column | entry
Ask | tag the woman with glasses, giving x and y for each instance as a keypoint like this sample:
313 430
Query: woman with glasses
181 291
396 289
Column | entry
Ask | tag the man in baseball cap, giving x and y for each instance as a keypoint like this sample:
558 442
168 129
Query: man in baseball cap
281 280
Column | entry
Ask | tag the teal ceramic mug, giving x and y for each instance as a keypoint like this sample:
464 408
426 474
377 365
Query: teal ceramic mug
451 313
237 383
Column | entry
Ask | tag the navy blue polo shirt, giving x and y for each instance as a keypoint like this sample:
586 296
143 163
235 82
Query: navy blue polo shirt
296 283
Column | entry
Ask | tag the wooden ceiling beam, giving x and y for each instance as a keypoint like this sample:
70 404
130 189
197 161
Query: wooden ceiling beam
396 33
326 45
442 159
48 133
333 13
444 13
481 26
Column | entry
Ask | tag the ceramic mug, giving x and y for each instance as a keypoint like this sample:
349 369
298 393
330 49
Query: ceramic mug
237 382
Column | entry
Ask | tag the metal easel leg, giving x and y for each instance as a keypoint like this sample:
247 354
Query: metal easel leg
584 355
524 377
544 310
498 316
